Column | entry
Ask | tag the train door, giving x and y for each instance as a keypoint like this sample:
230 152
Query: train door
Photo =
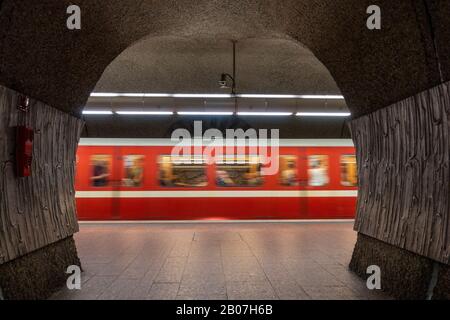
319 182
330 187
289 185
96 174
134 176
347 176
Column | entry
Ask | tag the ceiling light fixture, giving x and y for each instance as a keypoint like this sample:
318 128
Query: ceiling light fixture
133 95
204 113
105 94
267 96
327 97
323 114
215 95
97 112
201 95
157 95
138 113
275 114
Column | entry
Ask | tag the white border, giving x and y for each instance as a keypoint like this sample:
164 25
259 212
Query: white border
167 142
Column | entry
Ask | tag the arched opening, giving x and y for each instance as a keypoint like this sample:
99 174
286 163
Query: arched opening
161 85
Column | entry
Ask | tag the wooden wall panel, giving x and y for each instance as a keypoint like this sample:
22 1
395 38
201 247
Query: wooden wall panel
403 156
38 210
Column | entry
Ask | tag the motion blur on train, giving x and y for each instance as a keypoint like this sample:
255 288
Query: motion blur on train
119 179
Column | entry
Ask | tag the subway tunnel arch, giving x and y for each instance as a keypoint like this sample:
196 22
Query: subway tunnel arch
193 64
167 64
413 33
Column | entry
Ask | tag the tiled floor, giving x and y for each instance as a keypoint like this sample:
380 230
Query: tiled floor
218 261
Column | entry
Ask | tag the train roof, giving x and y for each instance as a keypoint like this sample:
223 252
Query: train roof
169 142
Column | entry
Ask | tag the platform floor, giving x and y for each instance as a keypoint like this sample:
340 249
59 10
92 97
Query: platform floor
241 261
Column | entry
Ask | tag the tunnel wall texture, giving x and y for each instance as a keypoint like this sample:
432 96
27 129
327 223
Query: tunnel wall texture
37 275
404 275
403 156
38 210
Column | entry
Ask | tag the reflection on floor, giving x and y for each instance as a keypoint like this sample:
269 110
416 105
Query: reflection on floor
218 261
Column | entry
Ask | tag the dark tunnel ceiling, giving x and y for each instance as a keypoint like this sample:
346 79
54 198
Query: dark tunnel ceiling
40 57
176 64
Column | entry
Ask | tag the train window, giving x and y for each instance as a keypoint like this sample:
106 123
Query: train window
288 171
134 170
185 172
349 172
101 170
318 170
242 171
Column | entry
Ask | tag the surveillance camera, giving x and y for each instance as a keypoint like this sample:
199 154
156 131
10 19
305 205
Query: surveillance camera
223 85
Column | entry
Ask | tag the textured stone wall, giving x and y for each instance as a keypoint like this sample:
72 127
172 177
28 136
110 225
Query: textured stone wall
442 289
39 274
404 275
38 210
415 270
404 174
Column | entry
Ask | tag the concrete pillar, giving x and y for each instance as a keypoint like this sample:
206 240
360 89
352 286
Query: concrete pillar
37 213
403 215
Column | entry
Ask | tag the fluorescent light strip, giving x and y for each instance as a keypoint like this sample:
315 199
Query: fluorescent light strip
215 96
157 95
145 95
194 95
97 112
290 96
205 113
324 114
275 114
329 97
195 113
104 94
138 113
267 96
131 95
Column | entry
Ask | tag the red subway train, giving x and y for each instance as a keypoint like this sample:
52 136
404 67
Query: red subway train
140 179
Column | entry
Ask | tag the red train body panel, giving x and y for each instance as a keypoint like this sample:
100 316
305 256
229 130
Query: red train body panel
113 199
